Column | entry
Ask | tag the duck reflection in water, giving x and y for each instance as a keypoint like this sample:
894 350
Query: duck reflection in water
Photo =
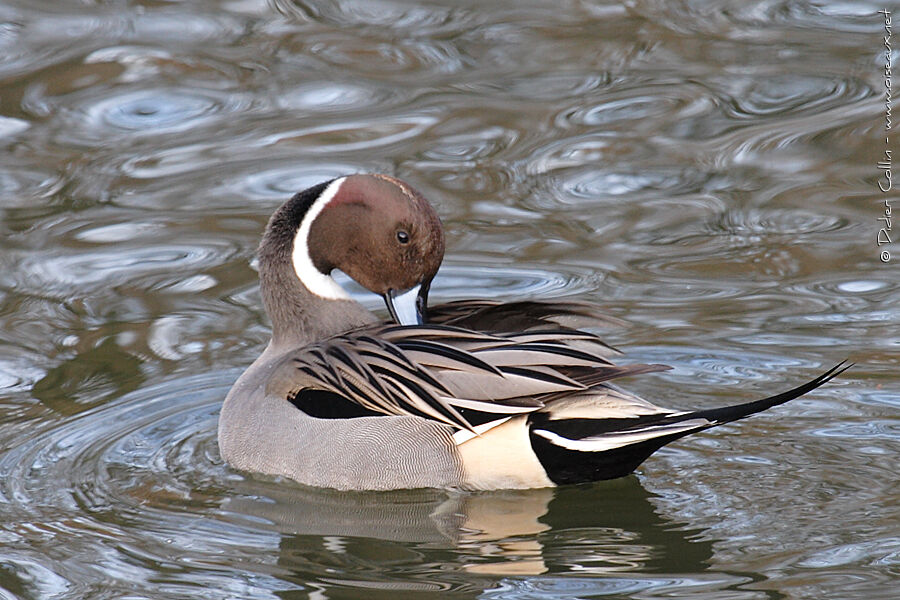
606 528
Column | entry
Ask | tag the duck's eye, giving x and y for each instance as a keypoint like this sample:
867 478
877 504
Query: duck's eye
402 237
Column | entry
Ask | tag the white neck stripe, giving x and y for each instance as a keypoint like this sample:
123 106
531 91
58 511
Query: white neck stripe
318 283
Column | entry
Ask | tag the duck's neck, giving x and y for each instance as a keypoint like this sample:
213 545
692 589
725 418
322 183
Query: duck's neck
300 317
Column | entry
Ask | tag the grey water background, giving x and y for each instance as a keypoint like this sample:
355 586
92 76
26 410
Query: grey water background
705 171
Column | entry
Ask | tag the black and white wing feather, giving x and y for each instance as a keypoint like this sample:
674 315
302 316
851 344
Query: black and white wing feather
456 376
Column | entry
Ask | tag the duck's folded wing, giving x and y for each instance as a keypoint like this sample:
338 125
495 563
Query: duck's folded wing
448 374
496 317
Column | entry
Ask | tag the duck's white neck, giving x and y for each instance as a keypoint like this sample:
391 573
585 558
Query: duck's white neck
320 284
304 304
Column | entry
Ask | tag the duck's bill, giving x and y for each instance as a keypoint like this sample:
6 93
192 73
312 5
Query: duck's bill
407 308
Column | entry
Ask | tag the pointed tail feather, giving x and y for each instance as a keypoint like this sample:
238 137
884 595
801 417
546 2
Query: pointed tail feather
732 413
579 450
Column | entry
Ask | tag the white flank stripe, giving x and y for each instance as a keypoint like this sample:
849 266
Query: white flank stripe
318 283
610 441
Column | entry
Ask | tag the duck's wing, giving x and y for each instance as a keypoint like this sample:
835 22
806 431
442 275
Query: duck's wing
495 316
456 376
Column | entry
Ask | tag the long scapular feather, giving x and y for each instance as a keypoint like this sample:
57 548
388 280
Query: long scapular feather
436 370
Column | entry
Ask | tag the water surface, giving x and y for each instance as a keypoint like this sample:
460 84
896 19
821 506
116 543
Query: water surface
703 170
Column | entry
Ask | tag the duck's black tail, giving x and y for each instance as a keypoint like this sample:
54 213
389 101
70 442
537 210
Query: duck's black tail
579 450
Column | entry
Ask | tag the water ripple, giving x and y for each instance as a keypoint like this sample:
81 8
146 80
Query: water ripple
153 448
750 114
550 86
21 185
349 135
755 223
471 146
324 97
55 36
283 182
467 280
795 95
149 112
421 60
420 20
761 22
86 272
625 108
598 185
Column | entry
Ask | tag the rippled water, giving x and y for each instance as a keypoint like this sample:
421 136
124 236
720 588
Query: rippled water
704 170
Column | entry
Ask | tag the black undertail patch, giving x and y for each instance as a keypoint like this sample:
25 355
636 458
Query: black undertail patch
564 466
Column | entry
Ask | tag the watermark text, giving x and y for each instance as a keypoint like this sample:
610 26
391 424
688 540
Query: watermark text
885 179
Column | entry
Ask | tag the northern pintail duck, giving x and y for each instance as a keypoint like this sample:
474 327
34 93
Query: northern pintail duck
474 394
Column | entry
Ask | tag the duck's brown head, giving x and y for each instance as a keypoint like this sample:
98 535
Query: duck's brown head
375 228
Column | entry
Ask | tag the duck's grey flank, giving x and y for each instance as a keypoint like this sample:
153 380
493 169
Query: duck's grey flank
472 394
